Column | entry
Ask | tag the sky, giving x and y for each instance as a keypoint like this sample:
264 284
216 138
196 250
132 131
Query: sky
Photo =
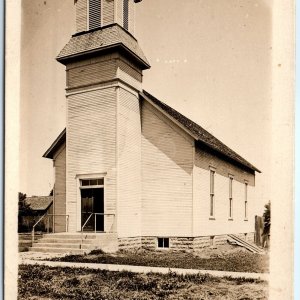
210 60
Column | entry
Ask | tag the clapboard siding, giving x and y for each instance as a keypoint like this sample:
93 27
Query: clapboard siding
81 15
91 140
119 15
60 190
167 164
91 73
221 225
129 74
205 160
129 165
131 17
108 12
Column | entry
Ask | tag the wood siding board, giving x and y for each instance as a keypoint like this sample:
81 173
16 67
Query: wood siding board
108 12
221 225
119 12
129 164
91 74
131 21
60 190
81 15
91 139
167 163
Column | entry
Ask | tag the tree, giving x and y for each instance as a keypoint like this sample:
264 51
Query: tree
24 208
267 219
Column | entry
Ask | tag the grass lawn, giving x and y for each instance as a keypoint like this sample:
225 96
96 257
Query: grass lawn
224 258
46 283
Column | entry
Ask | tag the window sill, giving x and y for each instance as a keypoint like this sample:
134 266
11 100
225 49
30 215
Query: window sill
246 220
212 218
230 219
162 248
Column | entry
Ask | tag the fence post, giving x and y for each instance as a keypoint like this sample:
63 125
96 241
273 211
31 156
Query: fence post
32 236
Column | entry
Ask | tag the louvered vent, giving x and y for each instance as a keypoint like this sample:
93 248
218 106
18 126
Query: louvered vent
94 14
125 13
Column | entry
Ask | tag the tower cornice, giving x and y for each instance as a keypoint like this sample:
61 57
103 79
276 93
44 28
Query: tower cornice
96 42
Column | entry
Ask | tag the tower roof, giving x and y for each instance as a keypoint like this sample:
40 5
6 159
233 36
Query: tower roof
96 41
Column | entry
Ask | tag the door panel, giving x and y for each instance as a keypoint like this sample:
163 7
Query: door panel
92 201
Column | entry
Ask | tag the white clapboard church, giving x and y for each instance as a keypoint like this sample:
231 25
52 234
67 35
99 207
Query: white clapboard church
130 171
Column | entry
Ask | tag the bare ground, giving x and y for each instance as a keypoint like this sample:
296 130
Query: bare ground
223 258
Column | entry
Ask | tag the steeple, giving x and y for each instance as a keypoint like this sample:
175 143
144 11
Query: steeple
94 14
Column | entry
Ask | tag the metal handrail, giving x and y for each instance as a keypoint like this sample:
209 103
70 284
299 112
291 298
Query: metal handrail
86 221
96 214
49 215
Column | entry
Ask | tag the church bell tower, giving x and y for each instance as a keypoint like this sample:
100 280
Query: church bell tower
104 65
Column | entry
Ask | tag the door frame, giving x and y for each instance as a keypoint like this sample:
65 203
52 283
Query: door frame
80 177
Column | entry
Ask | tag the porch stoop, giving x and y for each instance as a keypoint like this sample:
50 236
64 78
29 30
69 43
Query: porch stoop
76 243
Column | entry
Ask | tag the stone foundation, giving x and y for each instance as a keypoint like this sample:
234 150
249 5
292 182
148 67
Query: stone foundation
182 244
130 243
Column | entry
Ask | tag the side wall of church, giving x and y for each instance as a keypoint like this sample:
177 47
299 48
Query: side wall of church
167 165
59 205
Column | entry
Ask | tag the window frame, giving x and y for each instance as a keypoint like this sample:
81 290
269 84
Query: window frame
163 239
212 174
246 201
91 186
230 217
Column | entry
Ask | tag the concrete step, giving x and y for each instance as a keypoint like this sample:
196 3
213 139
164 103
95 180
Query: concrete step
69 236
67 241
57 250
24 243
23 248
56 245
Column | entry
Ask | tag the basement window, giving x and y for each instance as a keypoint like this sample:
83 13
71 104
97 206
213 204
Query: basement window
163 243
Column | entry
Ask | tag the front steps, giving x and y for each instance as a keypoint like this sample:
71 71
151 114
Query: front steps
76 243
25 242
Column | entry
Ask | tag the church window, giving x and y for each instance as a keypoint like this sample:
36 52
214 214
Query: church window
230 198
212 193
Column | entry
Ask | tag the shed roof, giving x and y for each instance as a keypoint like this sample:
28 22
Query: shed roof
198 132
39 202
60 140
95 41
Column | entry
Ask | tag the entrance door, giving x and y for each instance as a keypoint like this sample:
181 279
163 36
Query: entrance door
92 202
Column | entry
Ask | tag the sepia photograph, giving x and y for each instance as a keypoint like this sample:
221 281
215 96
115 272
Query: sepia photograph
146 150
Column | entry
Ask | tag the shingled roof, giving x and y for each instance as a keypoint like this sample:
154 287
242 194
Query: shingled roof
195 130
108 37
60 140
39 202
198 132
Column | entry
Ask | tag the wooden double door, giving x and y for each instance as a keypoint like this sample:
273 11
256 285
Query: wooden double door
92 202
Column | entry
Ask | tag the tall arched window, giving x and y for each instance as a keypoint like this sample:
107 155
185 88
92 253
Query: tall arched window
125 14
94 14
